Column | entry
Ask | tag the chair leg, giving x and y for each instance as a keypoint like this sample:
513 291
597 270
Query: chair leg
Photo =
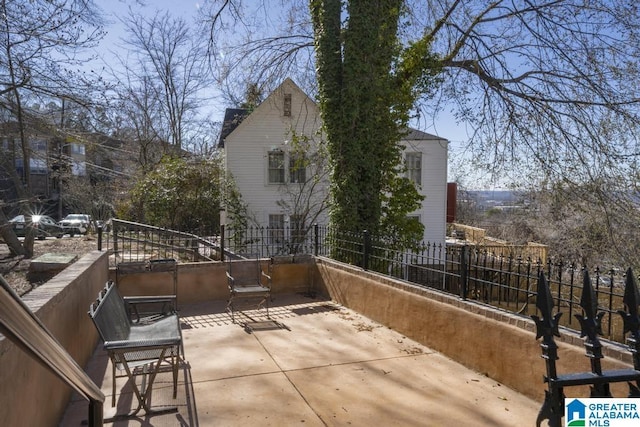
263 303
230 309
143 393
113 380
175 360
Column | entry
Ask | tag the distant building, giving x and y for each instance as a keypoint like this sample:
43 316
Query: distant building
52 158
49 157
259 155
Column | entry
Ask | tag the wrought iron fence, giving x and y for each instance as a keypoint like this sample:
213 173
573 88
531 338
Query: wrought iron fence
132 241
270 241
490 277
475 272
485 274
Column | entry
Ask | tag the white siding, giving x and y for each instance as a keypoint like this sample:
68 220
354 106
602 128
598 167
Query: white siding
433 213
266 128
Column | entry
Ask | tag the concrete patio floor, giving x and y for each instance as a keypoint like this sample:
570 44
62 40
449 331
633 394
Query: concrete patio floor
315 363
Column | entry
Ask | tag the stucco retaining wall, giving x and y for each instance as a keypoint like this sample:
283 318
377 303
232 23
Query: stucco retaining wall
29 394
493 342
207 281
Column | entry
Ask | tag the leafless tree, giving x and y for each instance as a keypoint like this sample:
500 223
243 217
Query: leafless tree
548 88
259 42
164 79
553 80
41 49
305 199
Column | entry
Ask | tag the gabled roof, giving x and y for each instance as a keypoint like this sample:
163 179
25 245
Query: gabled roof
232 118
418 135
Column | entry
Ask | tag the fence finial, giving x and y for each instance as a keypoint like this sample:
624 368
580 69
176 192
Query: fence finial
548 324
631 299
591 326
631 321
591 320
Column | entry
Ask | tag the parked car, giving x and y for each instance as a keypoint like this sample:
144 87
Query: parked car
105 225
76 224
44 225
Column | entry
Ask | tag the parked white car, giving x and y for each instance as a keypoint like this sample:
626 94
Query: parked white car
76 224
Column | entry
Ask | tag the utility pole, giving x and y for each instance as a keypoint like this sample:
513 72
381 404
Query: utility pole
60 170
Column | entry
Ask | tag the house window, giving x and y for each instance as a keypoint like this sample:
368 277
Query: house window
413 163
39 145
78 168
297 168
276 167
286 109
276 228
297 228
77 149
38 166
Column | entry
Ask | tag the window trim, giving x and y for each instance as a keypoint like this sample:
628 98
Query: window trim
287 105
414 173
281 170
297 175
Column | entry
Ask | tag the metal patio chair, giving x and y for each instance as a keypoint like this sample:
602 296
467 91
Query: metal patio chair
140 310
144 348
249 285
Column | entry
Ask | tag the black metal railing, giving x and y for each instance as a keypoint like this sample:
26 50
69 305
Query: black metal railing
480 273
590 318
132 241
477 273
270 241
485 274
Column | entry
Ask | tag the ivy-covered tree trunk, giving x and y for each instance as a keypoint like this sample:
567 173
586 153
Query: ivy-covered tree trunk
362 106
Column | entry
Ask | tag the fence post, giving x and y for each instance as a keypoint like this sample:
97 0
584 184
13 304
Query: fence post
99 237
115 238
367 250
464 276
221 242
316 239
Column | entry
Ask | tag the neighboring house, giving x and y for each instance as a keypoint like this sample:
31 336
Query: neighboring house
261 156
426 158
262 153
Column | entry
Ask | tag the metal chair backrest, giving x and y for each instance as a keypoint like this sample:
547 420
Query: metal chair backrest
109 314
246 272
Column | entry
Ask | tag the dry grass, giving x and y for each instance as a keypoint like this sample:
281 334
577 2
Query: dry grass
15 269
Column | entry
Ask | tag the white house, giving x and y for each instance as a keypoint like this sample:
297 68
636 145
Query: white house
261 150
426 158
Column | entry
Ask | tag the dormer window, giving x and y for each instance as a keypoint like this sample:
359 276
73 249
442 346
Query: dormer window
286 109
